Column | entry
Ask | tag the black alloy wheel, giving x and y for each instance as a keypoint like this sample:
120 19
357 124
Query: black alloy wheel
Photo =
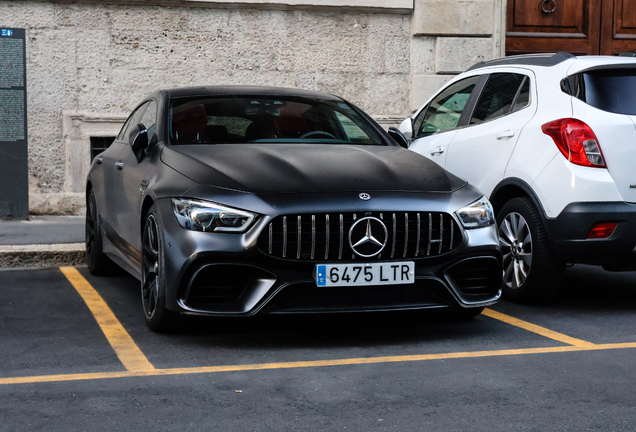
531 272
153 293
98 263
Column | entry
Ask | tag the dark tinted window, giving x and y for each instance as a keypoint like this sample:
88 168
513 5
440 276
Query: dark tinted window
523 97
149 119
444 111
612 90
497 97
268 119
133 120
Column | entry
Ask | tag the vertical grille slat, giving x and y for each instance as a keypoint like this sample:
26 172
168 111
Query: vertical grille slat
430 234
408 236
284 236
313 235
394 235
341 236
327 238
418 237
299 237
441 233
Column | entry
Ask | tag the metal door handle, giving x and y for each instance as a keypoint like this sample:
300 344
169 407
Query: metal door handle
99 160
438 150
119 165
505 134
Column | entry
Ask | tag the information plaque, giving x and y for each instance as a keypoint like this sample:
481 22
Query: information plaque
14 178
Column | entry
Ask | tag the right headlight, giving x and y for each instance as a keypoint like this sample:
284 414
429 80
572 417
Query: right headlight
478 214
208 216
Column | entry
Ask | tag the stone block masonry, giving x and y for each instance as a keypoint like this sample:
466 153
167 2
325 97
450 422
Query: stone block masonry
90 63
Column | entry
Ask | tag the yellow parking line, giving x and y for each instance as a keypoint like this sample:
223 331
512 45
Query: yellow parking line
128 352
537 329
308 364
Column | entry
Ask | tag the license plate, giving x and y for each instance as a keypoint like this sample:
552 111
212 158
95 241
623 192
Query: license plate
391 273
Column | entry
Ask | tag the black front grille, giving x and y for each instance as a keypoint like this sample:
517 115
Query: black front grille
325 236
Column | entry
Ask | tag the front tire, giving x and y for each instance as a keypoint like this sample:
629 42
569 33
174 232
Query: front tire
153 280
531 272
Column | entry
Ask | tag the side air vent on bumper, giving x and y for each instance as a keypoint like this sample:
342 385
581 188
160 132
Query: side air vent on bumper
325 236
219 287
475 279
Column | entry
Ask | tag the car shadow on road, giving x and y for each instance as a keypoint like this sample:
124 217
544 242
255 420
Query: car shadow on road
593 289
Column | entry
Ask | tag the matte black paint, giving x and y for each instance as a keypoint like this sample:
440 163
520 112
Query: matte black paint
269 180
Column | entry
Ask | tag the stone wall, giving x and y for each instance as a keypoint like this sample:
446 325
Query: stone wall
449 36
89 64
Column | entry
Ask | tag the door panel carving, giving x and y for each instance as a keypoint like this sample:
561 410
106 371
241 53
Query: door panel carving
618 29
554 25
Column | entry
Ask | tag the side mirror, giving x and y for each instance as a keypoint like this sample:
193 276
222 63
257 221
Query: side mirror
406 127
138 140
398 137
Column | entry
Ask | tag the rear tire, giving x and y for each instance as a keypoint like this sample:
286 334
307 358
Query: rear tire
98 263
153 279
531 272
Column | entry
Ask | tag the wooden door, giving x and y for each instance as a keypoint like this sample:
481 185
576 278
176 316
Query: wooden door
618 27
554 25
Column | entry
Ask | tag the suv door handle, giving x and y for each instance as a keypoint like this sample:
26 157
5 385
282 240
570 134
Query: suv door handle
119 165
99 160
438 150
506 134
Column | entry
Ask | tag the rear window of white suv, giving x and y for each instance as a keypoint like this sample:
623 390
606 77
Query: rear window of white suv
611 90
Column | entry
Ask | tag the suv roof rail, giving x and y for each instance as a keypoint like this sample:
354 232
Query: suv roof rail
628 54
550 59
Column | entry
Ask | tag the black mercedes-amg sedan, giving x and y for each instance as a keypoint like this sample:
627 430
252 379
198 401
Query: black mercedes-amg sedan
235 201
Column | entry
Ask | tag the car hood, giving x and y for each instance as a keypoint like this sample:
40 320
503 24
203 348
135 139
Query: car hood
305 168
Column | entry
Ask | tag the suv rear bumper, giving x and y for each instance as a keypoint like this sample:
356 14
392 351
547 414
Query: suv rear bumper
568 233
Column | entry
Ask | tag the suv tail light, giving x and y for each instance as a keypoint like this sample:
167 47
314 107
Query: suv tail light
576 141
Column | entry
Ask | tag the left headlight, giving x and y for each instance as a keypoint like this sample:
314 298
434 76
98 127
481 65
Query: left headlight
478 214
209 216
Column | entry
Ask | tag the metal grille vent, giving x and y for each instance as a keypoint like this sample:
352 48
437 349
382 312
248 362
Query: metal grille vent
325 236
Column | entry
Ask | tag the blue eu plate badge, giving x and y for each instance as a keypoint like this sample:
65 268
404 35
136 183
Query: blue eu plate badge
321 275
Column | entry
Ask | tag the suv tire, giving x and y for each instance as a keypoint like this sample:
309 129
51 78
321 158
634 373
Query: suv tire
531 272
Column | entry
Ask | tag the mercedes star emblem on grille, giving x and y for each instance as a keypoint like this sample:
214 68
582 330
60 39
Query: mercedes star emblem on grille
368 237
365 196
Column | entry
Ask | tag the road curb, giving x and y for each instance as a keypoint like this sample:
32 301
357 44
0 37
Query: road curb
48 255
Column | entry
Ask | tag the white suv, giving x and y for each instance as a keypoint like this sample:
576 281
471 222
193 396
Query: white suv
551 140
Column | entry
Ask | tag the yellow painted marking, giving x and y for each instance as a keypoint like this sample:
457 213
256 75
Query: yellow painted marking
128 352
308 364
537 329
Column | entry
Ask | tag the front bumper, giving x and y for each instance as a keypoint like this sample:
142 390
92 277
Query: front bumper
568 234
221 274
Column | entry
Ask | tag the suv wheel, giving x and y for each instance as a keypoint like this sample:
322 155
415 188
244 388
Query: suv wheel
531 272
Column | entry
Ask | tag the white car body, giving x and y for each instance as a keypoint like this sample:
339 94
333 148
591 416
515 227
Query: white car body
510 155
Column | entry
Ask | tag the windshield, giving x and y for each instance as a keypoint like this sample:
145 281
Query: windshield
288 119
611 90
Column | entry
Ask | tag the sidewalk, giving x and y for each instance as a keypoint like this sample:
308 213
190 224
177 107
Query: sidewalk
42 241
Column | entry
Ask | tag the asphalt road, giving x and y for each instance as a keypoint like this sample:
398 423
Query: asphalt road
66 364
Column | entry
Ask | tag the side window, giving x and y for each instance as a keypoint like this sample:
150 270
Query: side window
498 96
523 98
149 120
133 120
444 111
